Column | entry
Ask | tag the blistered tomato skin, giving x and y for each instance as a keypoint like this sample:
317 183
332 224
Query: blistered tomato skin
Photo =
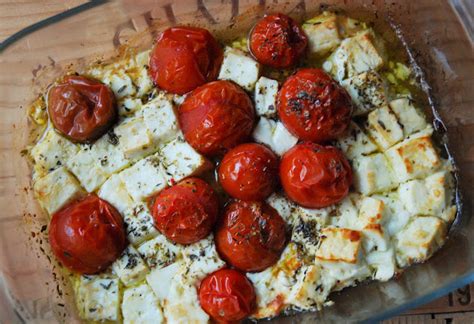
186 212
82 109
250 236
278 41
249 172
184 58
87 235
315 176
216 117
313 106
227 296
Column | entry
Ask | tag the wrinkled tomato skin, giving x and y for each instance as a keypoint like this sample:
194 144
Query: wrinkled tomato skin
250 235
186 212
184 58
249 172
313 106
227 296
315 176
278 41
82 109
216 117
86 236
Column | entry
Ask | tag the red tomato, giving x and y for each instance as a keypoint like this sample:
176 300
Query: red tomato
185 58
313 106
227 296
82 109
315 176
250 235
249 172
216 117
86 236
277 41
186 212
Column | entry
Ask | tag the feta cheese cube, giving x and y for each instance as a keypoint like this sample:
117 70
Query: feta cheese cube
413 158
130 267
374 238
395 215
201 259
266 91
180 160
275 135
144 178
240 68
323 33
51 152
419 240
160 119
408 116
134 139
339 245
305 293
384 128
56 190
114 192
372 174
98 297
367 91
371 211
108 155
283 206
128 106
140 306
346 213
306 234
139 74
160 279
356 142
159 252
383 263
139 224
87 169
119 82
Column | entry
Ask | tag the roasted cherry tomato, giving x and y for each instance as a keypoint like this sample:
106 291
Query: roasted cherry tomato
250 235
185 58
315 176
216 117
186 212
88 235
227 296
249 172
313 106
277 41
82 109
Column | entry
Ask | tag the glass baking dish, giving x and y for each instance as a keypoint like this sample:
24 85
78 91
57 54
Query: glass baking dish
31 292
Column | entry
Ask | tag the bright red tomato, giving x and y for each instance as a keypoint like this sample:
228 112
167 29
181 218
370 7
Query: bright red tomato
313 106
249 172
250 235
88 235
82 109
186 212
277 41
227 296
216 117
315 176
185 58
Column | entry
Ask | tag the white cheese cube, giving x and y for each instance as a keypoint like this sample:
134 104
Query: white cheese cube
367 91
159 252
57 189
240 68
395 215
140 306
128 106
108 154
372 174
305 293
201 259
98 297
160 120
306 234
52 151
283 206
139 225
371 211
419 240
383 263
133 138
384 128
408 116
358 54
266 91
413 158
323 33
274 134
130 267
144 178
139 74
160 279
356 142
374 238
346 213
180 160
114 192
119 82
87 169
